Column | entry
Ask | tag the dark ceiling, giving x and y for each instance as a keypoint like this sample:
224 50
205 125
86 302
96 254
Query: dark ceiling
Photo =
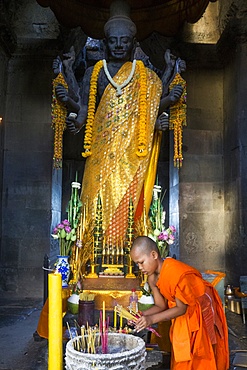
163 16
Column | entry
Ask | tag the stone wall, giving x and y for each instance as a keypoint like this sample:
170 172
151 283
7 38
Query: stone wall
30 188
28 199
3 83
201 191
235 162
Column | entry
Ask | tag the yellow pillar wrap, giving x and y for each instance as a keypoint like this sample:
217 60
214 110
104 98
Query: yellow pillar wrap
55 339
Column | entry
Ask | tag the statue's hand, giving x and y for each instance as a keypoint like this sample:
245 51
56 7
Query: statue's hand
61 93
175 94
69 58
181 65
162 122
57 65
72 124
170 59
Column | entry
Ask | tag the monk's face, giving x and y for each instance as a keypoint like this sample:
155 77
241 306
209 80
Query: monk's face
147 262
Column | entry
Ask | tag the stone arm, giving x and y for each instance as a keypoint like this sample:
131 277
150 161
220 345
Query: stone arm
64 95
75 124
76 101
173 66
68 63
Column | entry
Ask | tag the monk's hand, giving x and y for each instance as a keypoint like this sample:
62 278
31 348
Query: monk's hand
142 323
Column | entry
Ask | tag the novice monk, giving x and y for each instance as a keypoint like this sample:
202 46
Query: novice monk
198 333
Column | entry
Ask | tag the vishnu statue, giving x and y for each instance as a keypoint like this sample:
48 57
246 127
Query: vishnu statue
123 105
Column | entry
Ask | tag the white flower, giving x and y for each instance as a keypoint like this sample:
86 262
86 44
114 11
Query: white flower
156 190
76 185
163 217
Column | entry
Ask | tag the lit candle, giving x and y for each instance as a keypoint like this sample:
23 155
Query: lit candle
115 317
55 339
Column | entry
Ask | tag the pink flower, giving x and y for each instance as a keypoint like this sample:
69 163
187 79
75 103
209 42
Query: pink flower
171 239
67 229
66 223
163 235
60 226
167 235
55 230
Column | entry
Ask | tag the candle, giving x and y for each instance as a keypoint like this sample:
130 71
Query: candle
115 317
84 218
55 338
144 217
80 227
103 319
121 321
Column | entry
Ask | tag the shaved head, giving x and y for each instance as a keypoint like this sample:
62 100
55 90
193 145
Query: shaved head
146 255
144 244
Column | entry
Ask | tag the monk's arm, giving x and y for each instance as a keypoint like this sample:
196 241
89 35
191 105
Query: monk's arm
169 314
160 303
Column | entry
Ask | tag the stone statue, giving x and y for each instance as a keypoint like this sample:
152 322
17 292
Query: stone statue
121 102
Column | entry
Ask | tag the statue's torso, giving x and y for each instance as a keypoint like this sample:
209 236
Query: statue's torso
102 80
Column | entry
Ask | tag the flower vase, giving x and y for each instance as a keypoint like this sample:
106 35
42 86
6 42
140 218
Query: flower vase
63 267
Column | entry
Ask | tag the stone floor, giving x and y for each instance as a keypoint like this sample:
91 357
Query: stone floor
20 350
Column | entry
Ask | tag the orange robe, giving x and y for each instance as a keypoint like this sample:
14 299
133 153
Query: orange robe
199 338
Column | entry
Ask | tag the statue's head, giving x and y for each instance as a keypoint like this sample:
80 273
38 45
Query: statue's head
120 32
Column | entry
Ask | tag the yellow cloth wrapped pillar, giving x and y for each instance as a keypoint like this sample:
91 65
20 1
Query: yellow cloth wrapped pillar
55 339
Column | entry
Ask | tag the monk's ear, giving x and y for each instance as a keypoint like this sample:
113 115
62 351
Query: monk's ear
154 255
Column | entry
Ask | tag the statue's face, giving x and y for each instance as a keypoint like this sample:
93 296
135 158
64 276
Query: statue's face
120 43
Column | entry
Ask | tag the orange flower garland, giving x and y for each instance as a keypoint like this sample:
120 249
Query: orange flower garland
91 109
142 135
59 112
142 139
178 120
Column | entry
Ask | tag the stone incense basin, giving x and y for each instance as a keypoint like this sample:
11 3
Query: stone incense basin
125 352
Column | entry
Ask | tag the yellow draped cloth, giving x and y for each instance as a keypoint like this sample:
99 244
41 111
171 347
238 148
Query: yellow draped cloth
114 171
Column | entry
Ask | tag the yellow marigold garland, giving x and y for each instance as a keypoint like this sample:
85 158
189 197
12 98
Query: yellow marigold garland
142 134
58 114
91 109
178 120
